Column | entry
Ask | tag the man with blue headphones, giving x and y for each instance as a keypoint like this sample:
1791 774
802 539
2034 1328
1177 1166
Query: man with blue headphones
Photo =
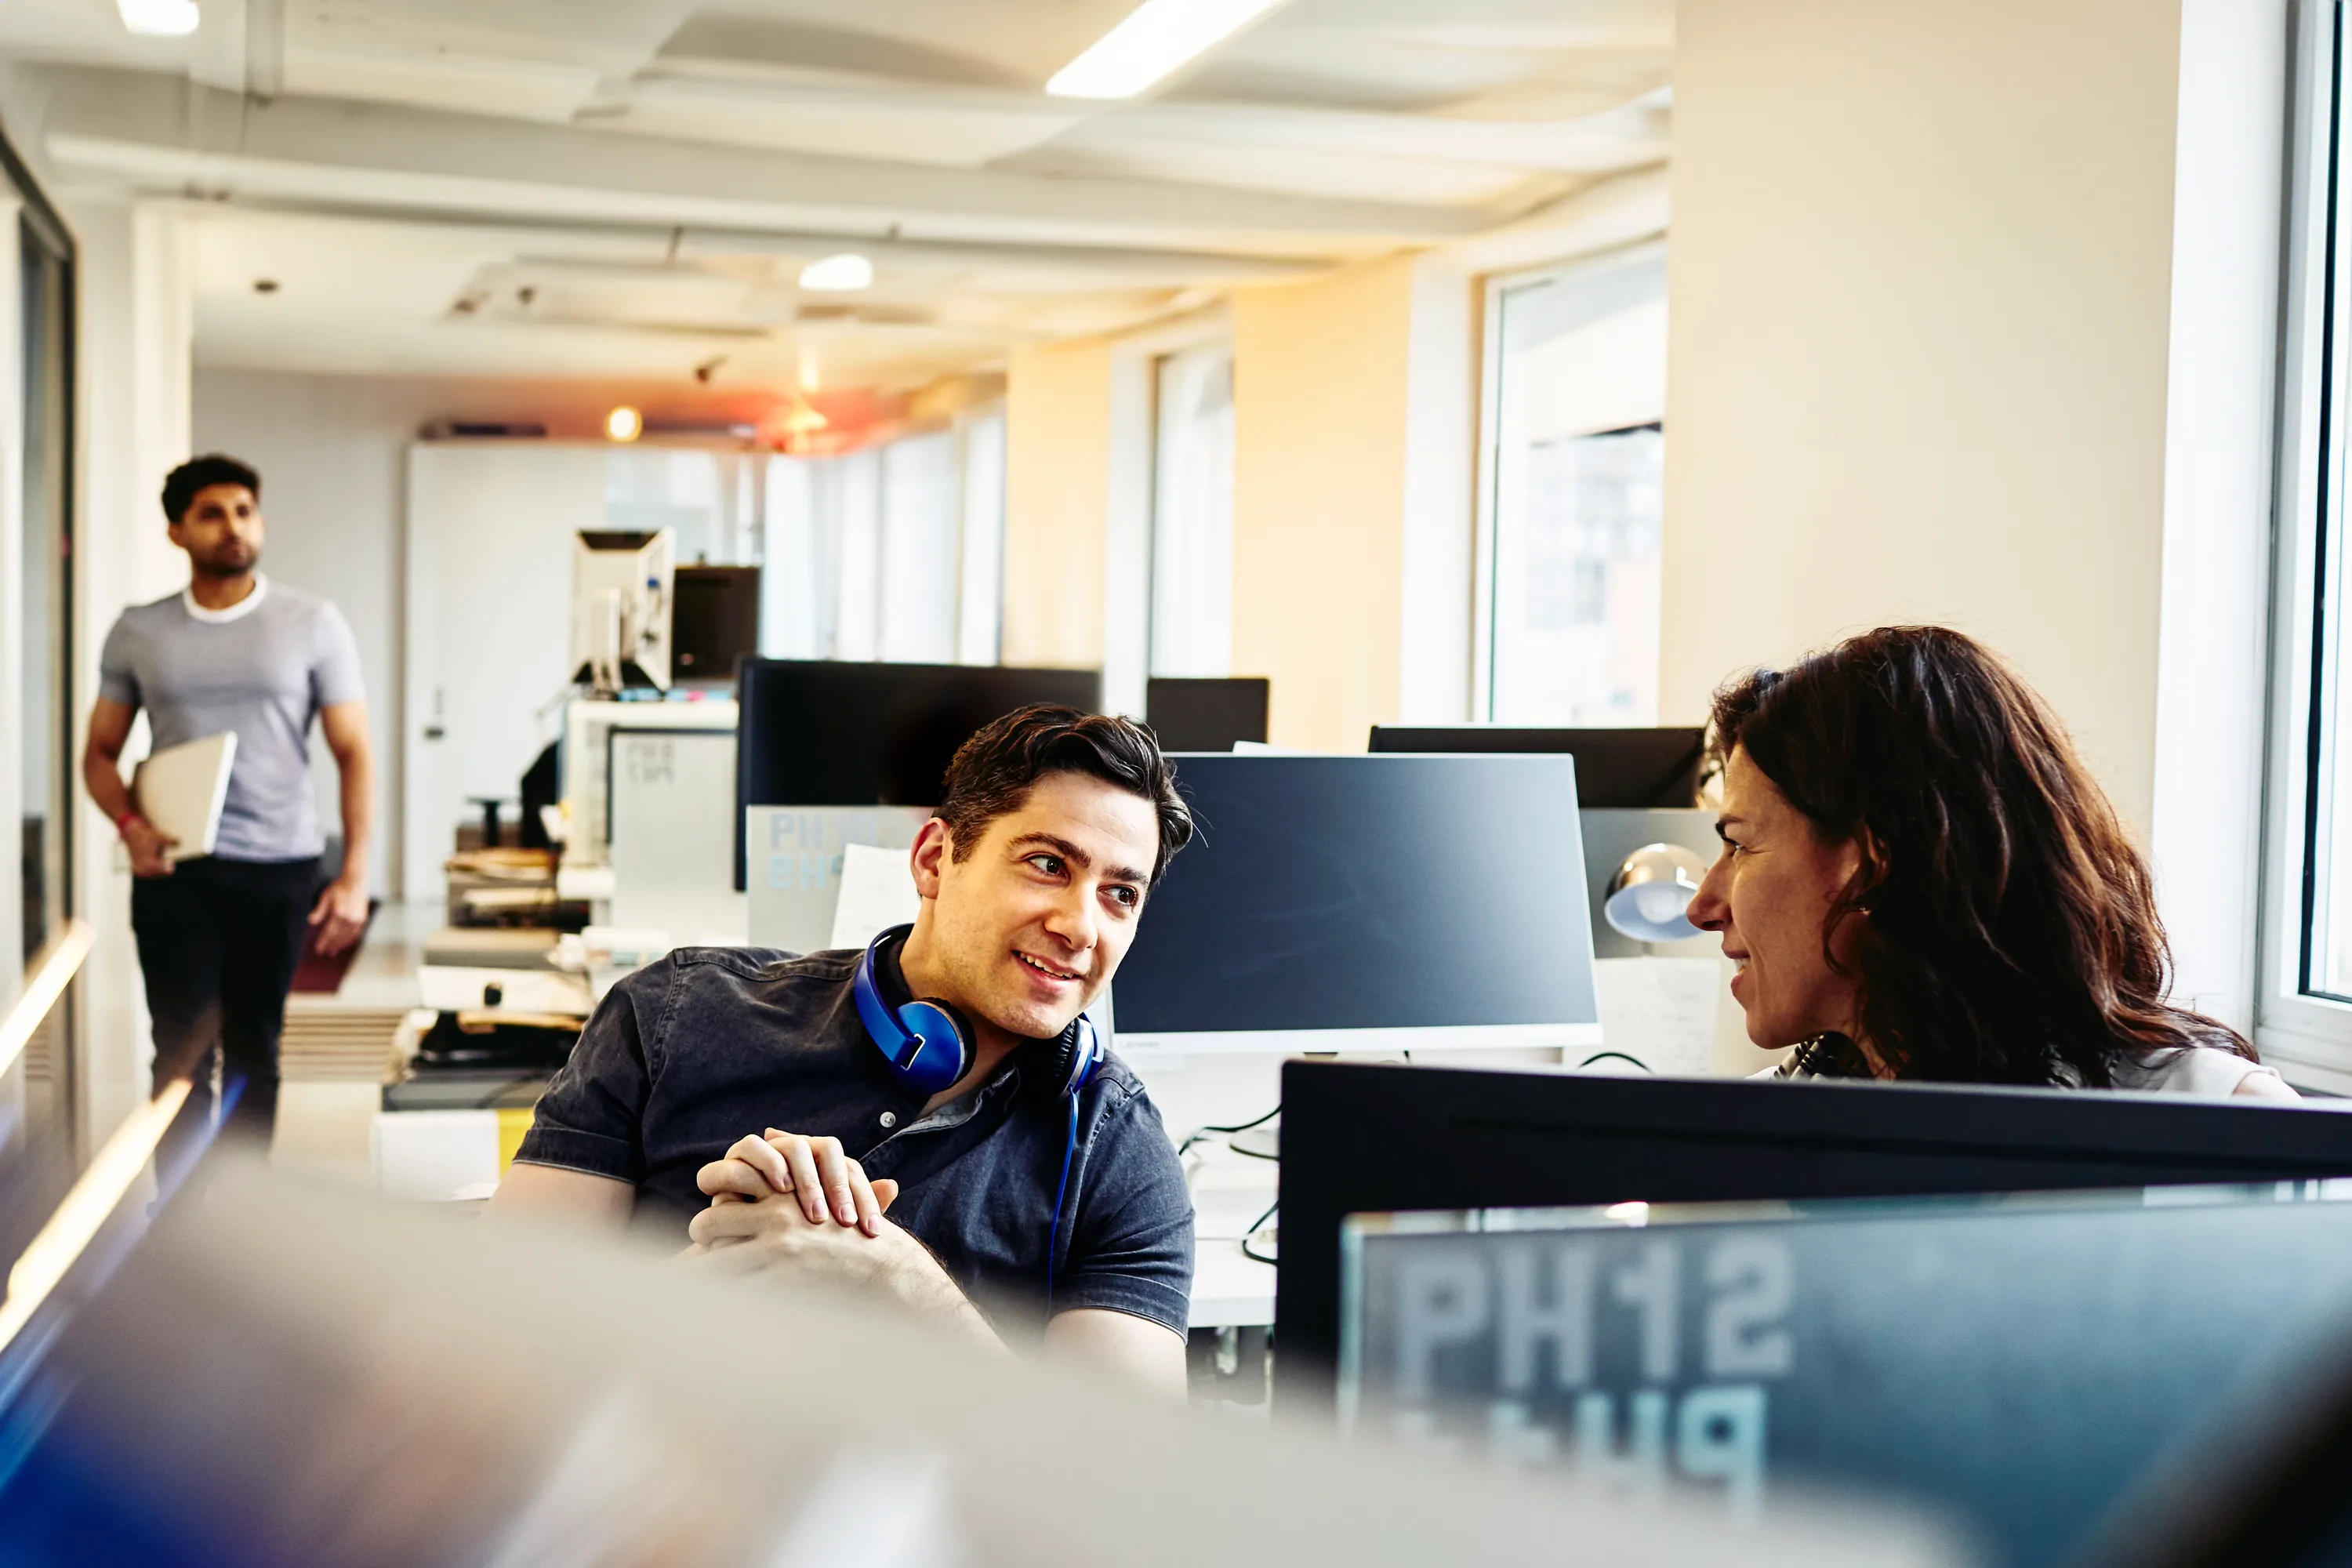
947 1074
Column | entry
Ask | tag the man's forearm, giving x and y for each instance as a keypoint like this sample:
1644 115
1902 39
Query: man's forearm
921 1283
103 779
358 811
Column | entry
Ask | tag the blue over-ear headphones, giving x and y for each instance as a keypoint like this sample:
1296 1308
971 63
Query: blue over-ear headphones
928 1047
929 1044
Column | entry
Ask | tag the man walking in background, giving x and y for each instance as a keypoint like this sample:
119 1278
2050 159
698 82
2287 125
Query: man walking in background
219 936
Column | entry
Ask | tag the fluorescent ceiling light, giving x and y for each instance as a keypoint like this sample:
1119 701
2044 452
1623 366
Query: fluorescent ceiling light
159 18
840 274
1156 37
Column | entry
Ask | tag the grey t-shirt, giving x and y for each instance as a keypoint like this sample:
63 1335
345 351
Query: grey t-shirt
263 667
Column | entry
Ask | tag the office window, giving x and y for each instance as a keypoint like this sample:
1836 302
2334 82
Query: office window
1192 512
980 619
894 552
921 550
2303 992
1573 493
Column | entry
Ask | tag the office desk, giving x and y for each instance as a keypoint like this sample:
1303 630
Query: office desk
1229 1289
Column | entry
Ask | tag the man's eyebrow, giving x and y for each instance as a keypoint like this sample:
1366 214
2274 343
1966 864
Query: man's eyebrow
1729 819
1077 856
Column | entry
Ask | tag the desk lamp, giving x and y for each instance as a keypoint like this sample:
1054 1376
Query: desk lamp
1648 895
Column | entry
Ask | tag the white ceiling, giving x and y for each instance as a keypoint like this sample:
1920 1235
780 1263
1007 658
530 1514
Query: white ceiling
629 187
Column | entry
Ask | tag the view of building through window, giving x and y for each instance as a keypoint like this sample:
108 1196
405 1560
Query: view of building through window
1575 486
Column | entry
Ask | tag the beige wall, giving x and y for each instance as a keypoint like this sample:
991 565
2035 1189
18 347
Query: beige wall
1056 502
1320 395
1920 274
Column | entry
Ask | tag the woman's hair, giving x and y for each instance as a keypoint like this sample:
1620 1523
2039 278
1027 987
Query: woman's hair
2010 932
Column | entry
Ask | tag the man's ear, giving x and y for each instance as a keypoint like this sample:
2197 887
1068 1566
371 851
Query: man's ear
929 857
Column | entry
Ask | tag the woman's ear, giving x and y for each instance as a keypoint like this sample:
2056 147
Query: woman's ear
1865 865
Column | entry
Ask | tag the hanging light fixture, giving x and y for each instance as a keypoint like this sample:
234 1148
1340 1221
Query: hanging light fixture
159 18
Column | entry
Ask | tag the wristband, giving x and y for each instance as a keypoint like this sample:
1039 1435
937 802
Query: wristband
125 819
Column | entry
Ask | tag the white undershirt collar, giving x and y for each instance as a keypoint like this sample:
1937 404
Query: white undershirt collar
236 612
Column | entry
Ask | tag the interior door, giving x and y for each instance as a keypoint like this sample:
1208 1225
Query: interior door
489 626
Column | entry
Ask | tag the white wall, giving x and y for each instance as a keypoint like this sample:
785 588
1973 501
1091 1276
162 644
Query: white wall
1922 287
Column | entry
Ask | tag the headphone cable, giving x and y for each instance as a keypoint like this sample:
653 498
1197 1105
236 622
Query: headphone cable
1061 1191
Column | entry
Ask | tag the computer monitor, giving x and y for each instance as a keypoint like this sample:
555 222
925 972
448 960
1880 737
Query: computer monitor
2037 1367
715 622
621 598
1337 903
835 733
1206 715
1620 768
1374 1139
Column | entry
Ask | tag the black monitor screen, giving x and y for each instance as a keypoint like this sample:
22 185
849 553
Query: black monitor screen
1340 893
821 732
714 620
1494 1140
1615 769
1204 715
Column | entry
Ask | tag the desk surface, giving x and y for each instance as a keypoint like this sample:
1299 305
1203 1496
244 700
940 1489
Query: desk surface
1230 1289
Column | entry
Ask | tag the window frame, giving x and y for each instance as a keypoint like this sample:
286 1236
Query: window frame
1488 459
2307 1036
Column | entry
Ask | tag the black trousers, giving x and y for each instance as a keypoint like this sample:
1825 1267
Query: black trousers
218 941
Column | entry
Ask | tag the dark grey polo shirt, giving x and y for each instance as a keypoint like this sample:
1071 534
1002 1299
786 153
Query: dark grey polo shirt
691 1053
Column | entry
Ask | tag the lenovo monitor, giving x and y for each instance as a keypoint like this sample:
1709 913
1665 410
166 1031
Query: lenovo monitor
1339 903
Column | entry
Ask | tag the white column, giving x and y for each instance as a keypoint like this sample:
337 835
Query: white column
2219 430
133 399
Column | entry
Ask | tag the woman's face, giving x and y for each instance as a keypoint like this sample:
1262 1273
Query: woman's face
1769 892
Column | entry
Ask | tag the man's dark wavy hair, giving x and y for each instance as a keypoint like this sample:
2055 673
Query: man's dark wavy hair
2010 932
993 772
181 485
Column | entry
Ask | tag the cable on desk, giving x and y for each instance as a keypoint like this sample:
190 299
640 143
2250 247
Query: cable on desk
1199 1133
1604 1055
1255 1227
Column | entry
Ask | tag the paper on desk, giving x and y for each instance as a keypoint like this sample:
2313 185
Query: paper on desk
1661 1010
877 891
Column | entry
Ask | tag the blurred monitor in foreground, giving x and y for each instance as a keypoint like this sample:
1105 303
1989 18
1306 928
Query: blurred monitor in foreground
285 1376
1207 715
1623 770
2030 1362
1337 903
1494 1139
821 732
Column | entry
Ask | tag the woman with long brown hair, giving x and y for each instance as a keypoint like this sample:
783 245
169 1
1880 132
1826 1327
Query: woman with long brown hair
1920 879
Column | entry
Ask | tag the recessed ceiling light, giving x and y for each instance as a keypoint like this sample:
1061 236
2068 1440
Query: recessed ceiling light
159 18
1154 39
840 274
624 424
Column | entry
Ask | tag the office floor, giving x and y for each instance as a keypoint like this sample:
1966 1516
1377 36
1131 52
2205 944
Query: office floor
333 1056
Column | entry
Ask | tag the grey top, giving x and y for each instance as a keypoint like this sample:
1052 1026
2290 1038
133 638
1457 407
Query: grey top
263 667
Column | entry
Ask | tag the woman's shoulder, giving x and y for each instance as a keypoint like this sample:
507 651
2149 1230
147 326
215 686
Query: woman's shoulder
2207 1071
